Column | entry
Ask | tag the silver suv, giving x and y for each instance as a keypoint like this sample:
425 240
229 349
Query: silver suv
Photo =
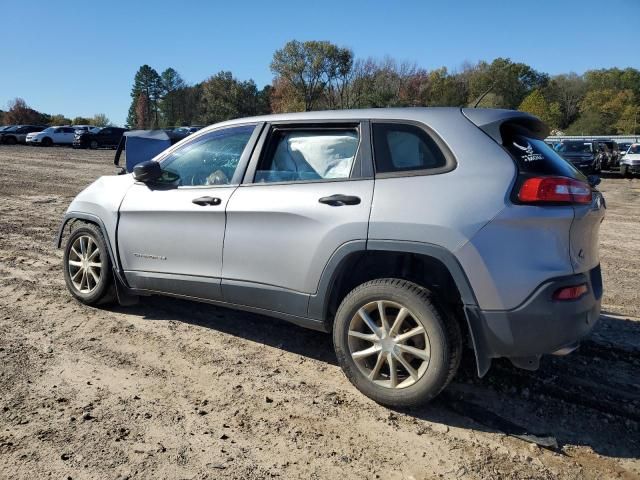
407 233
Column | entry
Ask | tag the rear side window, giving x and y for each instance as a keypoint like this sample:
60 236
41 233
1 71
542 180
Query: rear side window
534 157
404 148
308 155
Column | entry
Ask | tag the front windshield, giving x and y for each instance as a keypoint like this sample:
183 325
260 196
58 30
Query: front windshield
50 129
634 148
575 147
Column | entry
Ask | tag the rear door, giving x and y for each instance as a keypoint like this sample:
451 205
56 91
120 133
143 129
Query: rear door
307 193
170 235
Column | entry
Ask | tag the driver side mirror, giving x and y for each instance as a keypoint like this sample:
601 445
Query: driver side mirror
147 172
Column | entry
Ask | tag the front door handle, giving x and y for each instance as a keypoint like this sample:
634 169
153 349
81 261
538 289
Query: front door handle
204 201
339 200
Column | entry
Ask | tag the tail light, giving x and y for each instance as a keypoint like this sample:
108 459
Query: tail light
554 190
573 292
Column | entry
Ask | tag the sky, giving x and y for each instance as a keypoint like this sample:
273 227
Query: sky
79 58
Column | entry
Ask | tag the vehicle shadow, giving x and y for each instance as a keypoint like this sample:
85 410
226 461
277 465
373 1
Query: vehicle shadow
589 398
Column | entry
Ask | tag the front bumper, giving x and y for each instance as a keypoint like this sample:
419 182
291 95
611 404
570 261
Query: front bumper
540 325
635 169
32 140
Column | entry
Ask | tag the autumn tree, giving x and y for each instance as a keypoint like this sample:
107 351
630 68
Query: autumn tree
19 112
310 67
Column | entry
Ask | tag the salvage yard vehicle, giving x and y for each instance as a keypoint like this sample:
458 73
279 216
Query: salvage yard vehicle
630 162
588 156
99 138
18 134
407 233
52 136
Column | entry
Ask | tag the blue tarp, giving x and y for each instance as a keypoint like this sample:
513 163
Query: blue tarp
143 145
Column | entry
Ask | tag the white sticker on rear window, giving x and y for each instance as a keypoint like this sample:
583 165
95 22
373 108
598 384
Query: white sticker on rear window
528 155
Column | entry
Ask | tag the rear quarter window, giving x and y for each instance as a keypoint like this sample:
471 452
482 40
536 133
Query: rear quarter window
400 148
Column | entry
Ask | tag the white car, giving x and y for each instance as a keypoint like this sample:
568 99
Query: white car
52 136
630 163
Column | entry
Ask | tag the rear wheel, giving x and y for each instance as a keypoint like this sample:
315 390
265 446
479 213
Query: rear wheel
93 145
47 142
10 140
394 344
87 268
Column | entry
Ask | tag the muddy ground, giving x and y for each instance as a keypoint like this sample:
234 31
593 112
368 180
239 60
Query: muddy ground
174 389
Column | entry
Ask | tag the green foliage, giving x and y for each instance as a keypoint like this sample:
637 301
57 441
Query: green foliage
224 97
536 104
312 68
146 81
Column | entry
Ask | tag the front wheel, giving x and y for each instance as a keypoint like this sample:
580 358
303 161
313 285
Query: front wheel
87 268
93 145
394 344
47 142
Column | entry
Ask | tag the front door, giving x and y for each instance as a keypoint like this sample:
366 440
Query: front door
304 197
170 235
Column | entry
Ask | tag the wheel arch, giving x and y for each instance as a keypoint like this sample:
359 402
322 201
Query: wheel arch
429 265
71 217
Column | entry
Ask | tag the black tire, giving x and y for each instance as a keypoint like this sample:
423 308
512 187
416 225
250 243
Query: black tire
624 171
93 145
443 333
102 291
10 140
46 142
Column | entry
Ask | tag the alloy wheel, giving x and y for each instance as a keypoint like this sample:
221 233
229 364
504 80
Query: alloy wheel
389 345
85 264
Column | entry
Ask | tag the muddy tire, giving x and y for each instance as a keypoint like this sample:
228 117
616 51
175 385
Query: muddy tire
394 344
87 267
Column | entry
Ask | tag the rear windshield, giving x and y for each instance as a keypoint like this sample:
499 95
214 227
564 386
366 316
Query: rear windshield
535 157
575 147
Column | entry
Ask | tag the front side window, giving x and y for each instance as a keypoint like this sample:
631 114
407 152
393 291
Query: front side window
399 147
294 155
209 160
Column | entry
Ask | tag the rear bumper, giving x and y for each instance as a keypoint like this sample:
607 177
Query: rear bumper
540 325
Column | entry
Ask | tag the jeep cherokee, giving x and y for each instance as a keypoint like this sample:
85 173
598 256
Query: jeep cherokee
407 233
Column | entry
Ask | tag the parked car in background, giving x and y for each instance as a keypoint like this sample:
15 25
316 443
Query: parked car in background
305 217
84 128
623 147
19 134
630 163
108 137
6 127
52 136
613 160
588 156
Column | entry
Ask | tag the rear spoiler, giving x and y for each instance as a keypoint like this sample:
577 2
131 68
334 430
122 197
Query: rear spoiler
491 121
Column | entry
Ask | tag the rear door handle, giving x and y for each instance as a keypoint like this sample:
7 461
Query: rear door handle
339 200
204 201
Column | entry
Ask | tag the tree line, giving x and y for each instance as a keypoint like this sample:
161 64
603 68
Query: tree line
19 113
317 75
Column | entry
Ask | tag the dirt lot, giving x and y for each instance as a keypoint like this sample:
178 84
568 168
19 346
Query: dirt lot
173 389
